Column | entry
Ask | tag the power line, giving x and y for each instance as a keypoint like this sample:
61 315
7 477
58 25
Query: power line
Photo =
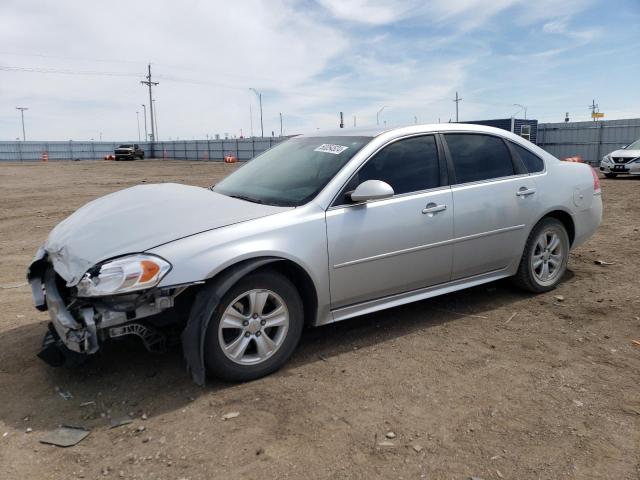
60 71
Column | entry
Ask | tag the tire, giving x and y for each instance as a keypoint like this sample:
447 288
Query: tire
142 156
266 348
611 175
531 273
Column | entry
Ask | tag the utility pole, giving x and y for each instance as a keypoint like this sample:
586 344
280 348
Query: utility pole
415 120
144 114
594 108
260 101
155 115
150 84
457 100
341 120
138 120
354 121
280 123
22 109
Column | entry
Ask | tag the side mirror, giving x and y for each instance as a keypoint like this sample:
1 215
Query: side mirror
371 190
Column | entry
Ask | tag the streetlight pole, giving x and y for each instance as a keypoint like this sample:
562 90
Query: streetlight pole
156 137
259 95
378 115
138 120
22 109
144 114
522 107
280 123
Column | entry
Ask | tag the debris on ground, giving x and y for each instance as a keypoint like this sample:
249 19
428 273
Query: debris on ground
513 315
86 404
230 415
559 298
119 421
18 285
417 448
64 393
636 342
633 409
65 436
390 435
386 443
603 263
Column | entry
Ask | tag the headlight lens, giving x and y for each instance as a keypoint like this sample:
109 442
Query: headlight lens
606 159
122 275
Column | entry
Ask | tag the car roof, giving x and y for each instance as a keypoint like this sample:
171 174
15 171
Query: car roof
427 127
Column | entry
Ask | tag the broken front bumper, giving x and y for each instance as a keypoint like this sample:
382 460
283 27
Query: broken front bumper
81 325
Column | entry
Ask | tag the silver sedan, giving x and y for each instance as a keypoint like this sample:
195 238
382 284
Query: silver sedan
318 229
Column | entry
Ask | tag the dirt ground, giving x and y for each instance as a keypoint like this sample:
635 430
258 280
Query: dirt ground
490 382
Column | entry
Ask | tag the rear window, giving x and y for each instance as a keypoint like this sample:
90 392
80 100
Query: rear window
478 157
533 162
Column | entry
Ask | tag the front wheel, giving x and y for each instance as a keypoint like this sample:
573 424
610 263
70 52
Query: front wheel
255 328
545 257
611 175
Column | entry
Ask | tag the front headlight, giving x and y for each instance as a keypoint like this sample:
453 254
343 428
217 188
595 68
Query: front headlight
606 159
123 275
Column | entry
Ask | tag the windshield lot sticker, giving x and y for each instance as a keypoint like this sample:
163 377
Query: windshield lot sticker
333 149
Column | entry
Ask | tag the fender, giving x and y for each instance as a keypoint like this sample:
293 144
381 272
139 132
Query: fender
206 302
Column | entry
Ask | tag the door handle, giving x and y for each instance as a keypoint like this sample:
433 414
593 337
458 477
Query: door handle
524 191
432 208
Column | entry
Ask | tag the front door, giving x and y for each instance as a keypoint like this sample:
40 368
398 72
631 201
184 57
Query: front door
398 244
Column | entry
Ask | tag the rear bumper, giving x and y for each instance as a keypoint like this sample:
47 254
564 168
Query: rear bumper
587 221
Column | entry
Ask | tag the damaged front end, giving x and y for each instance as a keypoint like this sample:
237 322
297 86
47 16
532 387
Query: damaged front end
113 299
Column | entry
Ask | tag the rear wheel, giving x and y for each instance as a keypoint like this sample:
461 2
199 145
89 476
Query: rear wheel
611 175
545 257
255 328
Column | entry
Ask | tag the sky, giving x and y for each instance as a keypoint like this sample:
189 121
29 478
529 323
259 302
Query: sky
77 64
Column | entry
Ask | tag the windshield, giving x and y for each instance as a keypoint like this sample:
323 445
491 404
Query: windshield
634 146
124 146
293 172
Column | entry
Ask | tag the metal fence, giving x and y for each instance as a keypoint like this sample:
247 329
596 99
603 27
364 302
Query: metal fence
207 150
591 140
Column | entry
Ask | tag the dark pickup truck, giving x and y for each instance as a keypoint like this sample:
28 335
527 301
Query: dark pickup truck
129 152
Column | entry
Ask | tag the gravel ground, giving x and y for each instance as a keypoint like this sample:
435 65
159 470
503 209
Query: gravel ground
490 382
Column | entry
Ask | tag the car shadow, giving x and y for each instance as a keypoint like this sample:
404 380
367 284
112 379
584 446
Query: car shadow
124 379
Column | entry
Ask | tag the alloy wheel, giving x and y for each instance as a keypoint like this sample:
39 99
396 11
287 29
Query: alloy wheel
548 257
253 327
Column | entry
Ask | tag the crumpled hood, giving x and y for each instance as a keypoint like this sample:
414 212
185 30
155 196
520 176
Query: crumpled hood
139 218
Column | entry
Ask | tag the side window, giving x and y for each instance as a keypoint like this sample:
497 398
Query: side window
533 162
478 157
408 165
525 131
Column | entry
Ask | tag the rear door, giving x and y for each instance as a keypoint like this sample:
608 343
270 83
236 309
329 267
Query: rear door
397 244
494 201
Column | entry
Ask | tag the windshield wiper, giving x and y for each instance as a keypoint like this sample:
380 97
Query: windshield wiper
248 199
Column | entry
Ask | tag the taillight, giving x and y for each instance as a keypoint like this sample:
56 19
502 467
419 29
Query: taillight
596 181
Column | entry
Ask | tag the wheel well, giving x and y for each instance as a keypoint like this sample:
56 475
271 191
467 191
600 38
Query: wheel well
300 279
303 283
566 220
